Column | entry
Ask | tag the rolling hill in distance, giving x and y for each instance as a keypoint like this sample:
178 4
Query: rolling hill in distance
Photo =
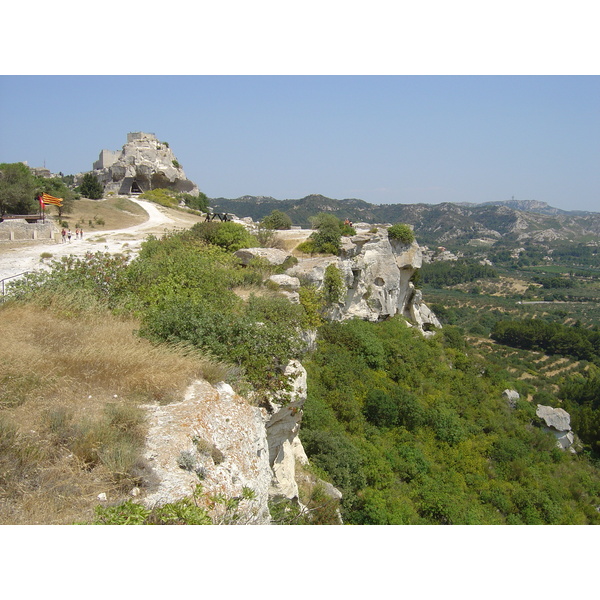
434 223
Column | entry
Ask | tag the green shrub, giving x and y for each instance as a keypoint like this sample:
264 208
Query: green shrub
328 235
98 274
381 409
311 301
186 460
260 339
333 286
347 230
227 235
199 202
401 232
277 220
182 512
162 196
308 247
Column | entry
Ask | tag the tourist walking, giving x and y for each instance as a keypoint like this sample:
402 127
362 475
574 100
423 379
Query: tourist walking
69 234
64 235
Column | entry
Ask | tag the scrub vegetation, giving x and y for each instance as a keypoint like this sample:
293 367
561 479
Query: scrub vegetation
411 430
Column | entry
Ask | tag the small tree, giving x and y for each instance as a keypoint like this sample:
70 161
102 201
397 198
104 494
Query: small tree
328 237
199 202
277 220
17 189
333 285
90 187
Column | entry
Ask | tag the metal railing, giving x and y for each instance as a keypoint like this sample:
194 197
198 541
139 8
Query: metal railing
7 278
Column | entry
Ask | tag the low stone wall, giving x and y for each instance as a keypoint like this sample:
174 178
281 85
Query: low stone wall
20 230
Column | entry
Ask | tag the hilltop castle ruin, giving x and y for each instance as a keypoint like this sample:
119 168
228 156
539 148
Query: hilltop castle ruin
143 164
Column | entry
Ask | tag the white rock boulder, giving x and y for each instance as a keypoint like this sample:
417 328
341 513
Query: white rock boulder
558 422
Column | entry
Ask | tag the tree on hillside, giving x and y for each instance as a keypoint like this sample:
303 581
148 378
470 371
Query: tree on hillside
328 235
199 202
90 187
17 189
277 220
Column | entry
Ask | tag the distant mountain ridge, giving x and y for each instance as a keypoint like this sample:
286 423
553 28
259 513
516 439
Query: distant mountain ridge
516 220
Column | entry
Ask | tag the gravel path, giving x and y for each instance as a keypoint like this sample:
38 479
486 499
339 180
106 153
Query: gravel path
28 257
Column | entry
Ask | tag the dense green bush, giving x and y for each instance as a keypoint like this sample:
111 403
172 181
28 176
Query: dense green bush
328 235
277 220
381 409
100 273
17 190
401 232
227 235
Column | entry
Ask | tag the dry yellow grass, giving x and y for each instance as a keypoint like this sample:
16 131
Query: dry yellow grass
71 381
107 213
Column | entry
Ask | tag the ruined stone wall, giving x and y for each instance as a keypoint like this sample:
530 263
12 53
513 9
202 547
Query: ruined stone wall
106 159
20 230
140 135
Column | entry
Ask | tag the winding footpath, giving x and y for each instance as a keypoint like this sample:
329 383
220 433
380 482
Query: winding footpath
14 261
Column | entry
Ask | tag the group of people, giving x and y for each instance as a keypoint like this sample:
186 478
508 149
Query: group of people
66 234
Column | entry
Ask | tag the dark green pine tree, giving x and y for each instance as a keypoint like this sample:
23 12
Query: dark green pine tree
90 187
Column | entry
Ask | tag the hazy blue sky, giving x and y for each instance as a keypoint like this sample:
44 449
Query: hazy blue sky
384 139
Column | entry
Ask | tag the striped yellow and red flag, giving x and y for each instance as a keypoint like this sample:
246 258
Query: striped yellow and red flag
48 199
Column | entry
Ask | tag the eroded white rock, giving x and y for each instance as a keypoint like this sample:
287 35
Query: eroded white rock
376 273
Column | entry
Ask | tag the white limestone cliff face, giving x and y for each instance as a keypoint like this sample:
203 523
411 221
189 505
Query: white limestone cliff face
282 428
222 442
215 438
144 160
376 272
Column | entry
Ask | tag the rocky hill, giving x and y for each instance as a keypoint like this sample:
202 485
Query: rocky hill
144 163
516 220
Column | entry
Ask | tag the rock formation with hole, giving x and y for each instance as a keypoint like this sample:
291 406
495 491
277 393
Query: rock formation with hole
376 273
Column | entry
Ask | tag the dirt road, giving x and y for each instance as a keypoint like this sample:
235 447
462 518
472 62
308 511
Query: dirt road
27 256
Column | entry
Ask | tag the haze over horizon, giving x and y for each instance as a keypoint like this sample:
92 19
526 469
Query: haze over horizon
398 139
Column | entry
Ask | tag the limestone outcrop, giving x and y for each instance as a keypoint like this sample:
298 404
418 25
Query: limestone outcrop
271 255
215 438
144 163
511 397
282 429
212 437
558 422
376 273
